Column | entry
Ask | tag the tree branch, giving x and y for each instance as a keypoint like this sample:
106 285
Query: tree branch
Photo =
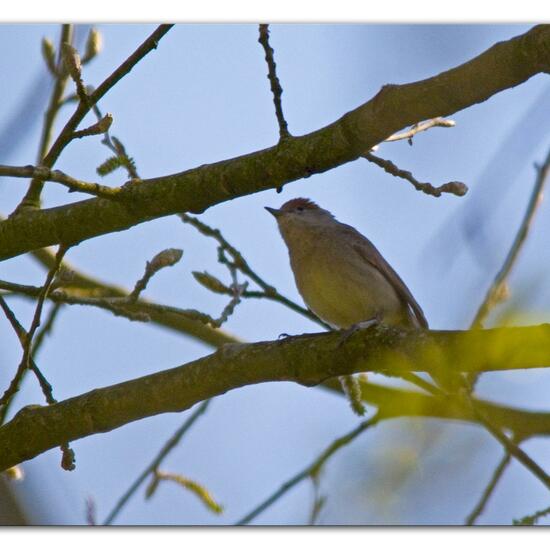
276 89
503 66
308 360
492 296
67 134
313 469
454 187
161 455
495 478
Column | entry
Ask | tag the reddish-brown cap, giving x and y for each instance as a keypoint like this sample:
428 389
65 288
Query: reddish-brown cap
294 204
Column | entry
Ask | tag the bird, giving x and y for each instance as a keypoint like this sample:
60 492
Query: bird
343 278
340 274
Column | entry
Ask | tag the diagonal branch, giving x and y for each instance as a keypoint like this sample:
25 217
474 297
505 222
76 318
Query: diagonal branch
495 478
313 469
167 447
502 66
67 134
491 298
307 360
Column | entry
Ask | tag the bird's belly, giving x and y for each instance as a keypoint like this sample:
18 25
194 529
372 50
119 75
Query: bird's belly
345 295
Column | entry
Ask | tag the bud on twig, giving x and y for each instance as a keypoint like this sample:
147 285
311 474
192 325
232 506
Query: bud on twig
166 258
71 60
99 127
93 45
211 283
73 65
48 53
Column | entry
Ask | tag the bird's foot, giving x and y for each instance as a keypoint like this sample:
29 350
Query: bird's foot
369 323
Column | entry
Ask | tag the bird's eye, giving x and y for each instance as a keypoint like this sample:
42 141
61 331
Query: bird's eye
300 208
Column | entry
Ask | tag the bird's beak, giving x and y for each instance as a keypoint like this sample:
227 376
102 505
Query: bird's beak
273 211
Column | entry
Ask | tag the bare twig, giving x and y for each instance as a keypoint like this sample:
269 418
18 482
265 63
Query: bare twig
15 384
32 198
319 502
240 264
38 340
498 289
167 447
492 296
313 469
46 328
495 478
421 127
532 518
454 187
28 363
92 292
511 447
26 340
43 173
274 81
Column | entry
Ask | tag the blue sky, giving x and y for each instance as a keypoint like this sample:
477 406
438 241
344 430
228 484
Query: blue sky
203 96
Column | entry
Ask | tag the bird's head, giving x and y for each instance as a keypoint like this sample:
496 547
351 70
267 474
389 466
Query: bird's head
300 214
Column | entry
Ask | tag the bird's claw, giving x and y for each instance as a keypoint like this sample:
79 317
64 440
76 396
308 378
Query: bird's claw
347 333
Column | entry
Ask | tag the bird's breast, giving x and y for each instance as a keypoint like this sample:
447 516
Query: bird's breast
343 289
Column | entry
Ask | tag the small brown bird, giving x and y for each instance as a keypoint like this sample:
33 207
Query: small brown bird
340 274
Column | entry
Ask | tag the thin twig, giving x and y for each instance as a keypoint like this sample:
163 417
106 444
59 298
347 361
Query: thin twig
454 187
496 291
43 173
421 127
313 469
26 340
167 447
46 328
57 93
238 262
495 478
274 81
15 384
532 518
116 146
511 447
319 502
32 197
519 240
38 341
68 457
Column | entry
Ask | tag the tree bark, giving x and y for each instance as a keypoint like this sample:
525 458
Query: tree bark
503 66
308 360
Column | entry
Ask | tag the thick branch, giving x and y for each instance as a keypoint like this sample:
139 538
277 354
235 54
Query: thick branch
502 66
308 360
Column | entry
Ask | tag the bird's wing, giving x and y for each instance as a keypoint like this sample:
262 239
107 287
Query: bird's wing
370 254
